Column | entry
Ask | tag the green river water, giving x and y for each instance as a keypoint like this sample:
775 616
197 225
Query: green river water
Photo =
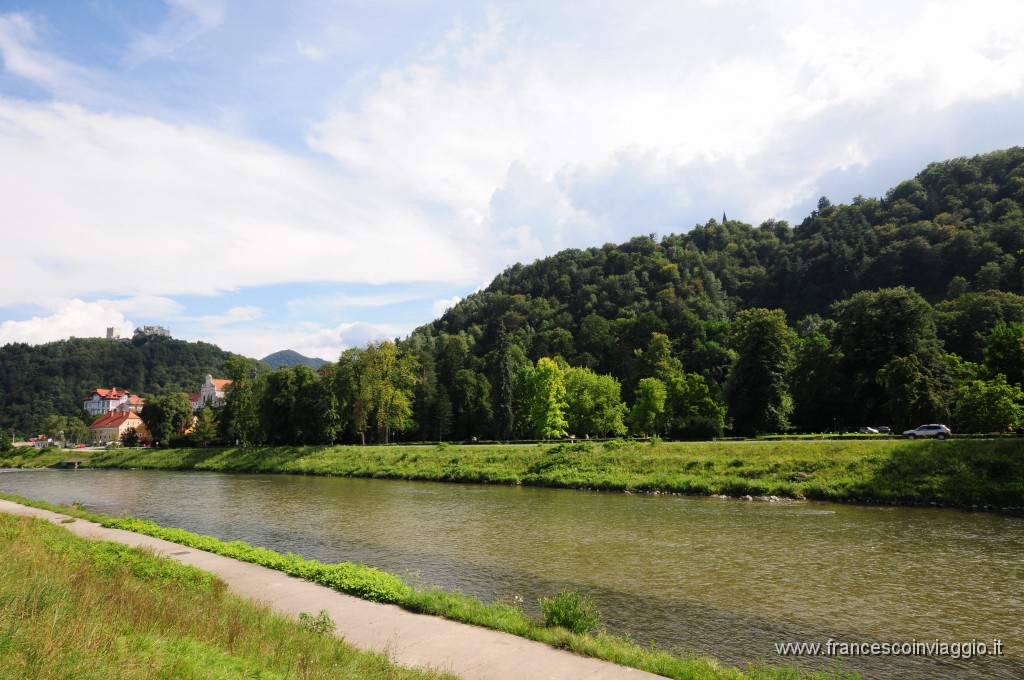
726 577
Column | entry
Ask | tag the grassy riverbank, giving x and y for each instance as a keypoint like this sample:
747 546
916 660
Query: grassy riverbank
74 608
143 572
958 472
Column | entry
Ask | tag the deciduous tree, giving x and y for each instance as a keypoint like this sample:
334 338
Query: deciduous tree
647 416
595 403
757 391
547 400
167 416
989 406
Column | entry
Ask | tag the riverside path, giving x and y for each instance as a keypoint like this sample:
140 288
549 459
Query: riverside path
406 638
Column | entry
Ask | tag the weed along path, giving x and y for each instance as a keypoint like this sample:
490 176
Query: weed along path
406 638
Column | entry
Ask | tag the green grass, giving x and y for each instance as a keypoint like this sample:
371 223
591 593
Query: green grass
960 472
71 608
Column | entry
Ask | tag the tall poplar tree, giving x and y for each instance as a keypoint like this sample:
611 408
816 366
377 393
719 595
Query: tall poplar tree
756 390
504 386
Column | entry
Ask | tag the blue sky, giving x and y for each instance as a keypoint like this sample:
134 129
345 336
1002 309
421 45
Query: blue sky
313 175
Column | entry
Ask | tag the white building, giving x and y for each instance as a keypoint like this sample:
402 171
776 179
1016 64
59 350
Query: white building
104 401
213 393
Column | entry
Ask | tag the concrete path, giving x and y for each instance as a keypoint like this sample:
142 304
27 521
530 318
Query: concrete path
406 638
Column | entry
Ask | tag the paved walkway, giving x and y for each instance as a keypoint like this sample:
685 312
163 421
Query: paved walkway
407 639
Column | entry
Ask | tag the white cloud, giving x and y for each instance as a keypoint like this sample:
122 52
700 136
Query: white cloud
678 89
343 301
309 339
22 57
129 205
147 306
186 21
441 306
71 318
234 315
312 52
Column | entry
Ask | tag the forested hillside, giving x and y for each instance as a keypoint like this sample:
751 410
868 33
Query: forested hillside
52 379
924 273
897 310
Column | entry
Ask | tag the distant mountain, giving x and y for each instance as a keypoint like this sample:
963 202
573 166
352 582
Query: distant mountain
291 358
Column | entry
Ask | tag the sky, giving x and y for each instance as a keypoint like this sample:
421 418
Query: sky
314 174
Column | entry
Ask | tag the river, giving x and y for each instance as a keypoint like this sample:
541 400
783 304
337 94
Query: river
726 577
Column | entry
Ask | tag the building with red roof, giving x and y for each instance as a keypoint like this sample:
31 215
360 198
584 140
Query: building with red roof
109 427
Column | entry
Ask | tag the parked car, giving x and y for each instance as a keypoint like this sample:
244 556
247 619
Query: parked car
884 429
933 430
868 430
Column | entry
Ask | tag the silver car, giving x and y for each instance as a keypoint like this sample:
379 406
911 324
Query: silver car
933 430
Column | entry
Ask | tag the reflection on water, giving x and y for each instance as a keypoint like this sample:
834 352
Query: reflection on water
726 577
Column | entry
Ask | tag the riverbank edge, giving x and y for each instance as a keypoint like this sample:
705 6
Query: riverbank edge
503 617
970 474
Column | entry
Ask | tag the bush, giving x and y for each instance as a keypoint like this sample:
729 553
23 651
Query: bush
571 611
321 624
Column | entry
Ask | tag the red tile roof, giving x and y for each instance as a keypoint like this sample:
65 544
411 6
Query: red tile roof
221 384
113 419
112 393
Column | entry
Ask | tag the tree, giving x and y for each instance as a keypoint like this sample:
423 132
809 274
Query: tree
441 415
374 387
989 406
315 411
1004 352
595 403
205 432
757 391
647 415
130 437
75 431
167 416
914 394
55 426
240 418
547 400
818 384
6 441
389 378
692 410
873 327
277 406
471 403
504 386
658 361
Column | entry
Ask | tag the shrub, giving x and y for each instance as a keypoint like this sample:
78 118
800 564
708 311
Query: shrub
571 611
321 624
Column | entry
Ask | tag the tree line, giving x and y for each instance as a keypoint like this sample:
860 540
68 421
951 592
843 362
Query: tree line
879 354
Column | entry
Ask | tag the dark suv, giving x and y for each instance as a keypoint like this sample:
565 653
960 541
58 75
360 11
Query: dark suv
937 431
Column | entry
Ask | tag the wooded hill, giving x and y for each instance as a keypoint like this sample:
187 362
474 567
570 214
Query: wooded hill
52 379
948 241
895 310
